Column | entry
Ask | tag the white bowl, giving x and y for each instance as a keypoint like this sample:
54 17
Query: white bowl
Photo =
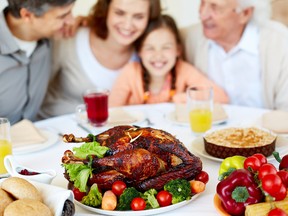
13 168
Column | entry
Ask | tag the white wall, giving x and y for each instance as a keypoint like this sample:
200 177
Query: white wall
185 12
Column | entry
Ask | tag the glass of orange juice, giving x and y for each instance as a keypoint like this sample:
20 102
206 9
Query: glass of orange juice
200 108
5 143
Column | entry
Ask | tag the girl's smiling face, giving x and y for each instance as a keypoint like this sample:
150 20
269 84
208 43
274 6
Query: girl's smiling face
159 52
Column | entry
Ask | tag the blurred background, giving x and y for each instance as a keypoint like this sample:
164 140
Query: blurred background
185 12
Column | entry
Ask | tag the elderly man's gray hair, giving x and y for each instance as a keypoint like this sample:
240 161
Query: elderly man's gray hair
262 9
38 7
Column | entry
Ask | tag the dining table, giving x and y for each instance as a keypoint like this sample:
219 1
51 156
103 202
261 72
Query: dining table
155 116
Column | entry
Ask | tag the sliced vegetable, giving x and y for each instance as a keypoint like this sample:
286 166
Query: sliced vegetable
261 157
197 186
230 164
277 212
150 199
94 197
283 161
118 187
164 198
78 195
266 169
109 201
252 163
126 198
79 174
271 184
202 176
180 190
90 148
237 191
138 204
284 176
263 208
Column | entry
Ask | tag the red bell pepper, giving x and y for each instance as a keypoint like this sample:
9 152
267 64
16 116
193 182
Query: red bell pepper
283 162
238 190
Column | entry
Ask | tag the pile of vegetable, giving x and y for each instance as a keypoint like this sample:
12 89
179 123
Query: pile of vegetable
120 196
247 181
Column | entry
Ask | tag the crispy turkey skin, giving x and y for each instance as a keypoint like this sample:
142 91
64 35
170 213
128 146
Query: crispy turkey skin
142 157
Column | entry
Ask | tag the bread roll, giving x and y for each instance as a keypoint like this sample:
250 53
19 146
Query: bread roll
21 189
5 200
27 207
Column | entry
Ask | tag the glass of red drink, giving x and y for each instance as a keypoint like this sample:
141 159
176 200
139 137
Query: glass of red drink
96 101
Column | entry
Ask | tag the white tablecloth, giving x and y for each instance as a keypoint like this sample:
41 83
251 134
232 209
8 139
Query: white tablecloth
202 205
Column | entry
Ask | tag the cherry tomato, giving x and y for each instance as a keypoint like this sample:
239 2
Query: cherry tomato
253 162
261 157
118 187
284 176
281 194
271 183
203 177
266 169
78 195
164 198
138 204
277 212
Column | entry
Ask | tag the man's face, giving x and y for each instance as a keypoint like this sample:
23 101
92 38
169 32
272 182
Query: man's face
220 19
53 22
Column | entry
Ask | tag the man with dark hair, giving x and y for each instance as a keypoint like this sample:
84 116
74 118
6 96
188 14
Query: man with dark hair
25 27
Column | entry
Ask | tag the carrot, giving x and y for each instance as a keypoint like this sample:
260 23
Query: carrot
197 186
109 201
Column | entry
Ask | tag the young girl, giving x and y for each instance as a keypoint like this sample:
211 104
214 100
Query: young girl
160 76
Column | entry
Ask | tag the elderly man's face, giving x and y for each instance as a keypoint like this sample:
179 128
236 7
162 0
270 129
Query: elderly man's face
220 18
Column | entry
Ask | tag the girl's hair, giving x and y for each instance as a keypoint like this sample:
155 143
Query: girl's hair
164 21
38 7
99 12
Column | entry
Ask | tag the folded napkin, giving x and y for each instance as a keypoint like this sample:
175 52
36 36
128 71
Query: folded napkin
181 113
54 197
277 121
120 116
25 133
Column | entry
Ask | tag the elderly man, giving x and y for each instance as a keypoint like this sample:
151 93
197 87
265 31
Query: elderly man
25 53
243 51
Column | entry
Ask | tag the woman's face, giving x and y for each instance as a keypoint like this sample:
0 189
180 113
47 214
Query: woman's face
159 52
127 20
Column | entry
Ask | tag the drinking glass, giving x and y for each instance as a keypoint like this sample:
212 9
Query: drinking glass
200 107
5 142
96 101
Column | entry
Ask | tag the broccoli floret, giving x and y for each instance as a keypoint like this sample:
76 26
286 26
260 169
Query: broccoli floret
180 190
93 198
126 198
150 199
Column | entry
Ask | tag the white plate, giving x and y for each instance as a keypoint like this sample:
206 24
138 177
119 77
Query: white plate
52 138
172 118
138 213
138 117
197 147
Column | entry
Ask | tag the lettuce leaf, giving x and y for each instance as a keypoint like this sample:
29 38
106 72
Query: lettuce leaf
90 148
93 198
79 174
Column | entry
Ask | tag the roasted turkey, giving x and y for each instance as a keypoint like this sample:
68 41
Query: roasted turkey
142 157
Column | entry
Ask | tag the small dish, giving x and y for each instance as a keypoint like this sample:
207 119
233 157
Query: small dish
14 169
218 206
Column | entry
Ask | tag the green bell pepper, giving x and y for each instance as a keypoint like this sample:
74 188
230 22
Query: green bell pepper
230 164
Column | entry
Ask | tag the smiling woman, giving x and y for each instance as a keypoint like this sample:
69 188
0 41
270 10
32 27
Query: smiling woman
97 53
